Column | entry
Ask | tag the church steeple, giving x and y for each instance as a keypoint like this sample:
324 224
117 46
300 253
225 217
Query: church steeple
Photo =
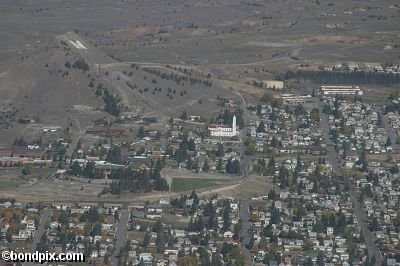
234 125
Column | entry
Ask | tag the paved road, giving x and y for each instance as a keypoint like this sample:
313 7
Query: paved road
243 134
358 210
245 168
332 154
389 129
43 223
120 236
361 217
244 217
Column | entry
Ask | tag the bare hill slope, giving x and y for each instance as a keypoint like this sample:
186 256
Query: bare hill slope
65 82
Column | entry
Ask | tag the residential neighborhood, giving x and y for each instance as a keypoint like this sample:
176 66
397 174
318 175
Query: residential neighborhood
330 162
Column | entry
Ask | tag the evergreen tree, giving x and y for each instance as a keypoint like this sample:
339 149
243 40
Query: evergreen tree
141 133
191 226
220 151
114 155
189 164
216 260
261 127
225 215
320 259
283 175
160 242
271 166
200 224
146 240
184 115
206 166
112 103
250 245
76 169
388 141
191 145
219 164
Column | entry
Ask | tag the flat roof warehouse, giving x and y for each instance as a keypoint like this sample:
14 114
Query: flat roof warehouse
342 90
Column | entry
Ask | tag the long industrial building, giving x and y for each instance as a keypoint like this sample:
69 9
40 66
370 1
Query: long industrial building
341 90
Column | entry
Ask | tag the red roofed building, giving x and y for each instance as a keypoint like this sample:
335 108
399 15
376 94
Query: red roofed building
223 130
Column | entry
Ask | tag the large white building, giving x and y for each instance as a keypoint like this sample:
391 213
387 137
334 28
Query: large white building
341 90
294 99
223 130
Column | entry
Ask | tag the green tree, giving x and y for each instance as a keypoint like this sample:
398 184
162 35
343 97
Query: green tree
93 215
112 103
27 170
184 115
160 242
114 155
314 115
76 169
206 166
320 259
96 231
146 240
220 151
261 127
219 164
216 260
225 215
141 133
204 257
388 141
236 231
271 166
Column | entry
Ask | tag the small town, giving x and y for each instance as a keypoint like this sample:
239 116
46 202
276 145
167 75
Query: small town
328 164
199 133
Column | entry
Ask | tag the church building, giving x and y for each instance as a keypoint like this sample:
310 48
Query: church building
223 130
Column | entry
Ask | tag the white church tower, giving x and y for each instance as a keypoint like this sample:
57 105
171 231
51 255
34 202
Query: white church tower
234 125
223 130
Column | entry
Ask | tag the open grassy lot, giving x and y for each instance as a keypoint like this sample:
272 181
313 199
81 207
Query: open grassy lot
183 184
8 184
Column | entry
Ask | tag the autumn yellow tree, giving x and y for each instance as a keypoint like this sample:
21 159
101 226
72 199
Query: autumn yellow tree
187 261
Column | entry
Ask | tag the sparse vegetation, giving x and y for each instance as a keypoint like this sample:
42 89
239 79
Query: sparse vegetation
112 103
81 65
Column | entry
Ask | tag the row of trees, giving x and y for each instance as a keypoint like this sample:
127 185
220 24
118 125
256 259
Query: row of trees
262 168
178 78
125 179
209 218
134 181
226 117
335 77
233 166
